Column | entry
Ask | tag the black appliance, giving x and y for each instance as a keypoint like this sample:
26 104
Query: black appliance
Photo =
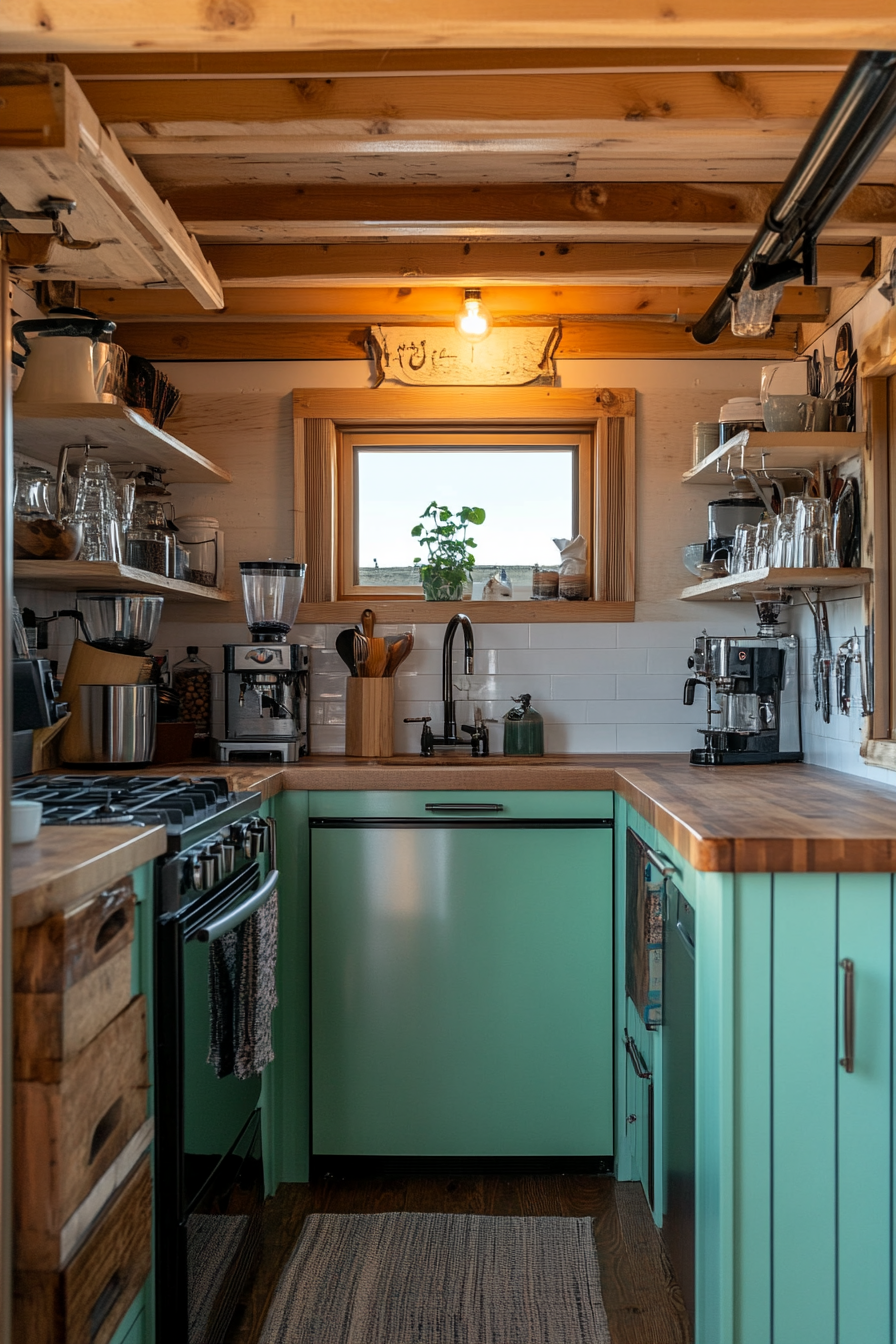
752 697
679 1090
34 705
219 867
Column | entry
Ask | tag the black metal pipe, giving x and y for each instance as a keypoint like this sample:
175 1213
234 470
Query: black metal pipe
829 160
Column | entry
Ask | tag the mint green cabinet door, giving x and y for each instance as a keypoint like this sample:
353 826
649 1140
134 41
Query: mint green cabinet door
462 990
831 1152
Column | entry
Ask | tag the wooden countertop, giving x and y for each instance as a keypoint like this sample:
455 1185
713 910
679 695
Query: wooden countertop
66 863
747 819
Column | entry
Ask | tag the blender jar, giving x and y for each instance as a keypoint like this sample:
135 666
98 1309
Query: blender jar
272 591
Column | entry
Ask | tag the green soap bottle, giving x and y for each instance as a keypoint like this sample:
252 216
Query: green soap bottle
523 729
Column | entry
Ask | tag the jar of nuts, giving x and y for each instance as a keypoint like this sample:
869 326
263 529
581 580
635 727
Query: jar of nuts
191 680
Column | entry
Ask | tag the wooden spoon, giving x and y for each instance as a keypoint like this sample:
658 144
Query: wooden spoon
368 621
398 652
370 656
345 647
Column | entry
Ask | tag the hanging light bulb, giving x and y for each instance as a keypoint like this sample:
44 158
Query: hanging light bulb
473 321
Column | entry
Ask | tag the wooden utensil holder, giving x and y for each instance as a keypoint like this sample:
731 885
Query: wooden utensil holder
369 705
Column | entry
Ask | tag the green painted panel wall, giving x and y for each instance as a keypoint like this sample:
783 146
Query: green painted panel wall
537 804
139 1324
285 1085
462 991
865 1250
804 1100
752 1287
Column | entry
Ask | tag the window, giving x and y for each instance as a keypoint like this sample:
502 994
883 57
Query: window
533 486
542 461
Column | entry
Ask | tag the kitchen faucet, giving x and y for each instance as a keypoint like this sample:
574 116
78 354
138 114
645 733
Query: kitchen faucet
449 737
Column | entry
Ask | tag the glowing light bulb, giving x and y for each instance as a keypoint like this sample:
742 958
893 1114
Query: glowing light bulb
473 321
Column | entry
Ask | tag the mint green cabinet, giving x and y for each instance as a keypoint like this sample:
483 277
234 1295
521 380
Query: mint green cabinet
462 982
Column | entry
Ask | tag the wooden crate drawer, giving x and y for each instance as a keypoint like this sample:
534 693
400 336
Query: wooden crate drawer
84 1302
71 977
66 1134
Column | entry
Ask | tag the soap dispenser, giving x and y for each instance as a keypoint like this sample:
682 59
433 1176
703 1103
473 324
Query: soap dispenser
523 729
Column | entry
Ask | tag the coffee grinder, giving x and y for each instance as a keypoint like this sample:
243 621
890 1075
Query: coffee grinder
266 682
752 695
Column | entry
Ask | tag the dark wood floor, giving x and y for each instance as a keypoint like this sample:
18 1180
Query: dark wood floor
641 1297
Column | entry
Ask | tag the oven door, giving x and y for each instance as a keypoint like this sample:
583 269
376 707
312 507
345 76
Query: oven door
209 1173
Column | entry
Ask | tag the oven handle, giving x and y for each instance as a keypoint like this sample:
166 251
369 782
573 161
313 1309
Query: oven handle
209 932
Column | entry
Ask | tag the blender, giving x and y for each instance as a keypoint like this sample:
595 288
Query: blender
266 682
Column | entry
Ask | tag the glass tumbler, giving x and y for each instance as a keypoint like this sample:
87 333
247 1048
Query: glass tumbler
812 539
782 541
743 549
764 537
96 510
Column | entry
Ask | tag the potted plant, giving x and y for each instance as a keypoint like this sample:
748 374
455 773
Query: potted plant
450 559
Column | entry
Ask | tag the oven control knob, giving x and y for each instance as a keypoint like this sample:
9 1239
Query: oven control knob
228 856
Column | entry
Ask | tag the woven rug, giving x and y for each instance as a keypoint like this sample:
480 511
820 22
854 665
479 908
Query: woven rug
434 1278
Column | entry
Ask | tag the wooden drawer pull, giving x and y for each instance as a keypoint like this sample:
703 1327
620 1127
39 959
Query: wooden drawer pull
106 1127
109 929
105 1302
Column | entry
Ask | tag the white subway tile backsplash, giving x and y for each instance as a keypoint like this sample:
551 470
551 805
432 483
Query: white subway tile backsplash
667 660
598 686
656 687
645 711
560 660
655 737
569 635
579 737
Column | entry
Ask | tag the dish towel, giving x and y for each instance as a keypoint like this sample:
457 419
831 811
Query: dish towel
242 994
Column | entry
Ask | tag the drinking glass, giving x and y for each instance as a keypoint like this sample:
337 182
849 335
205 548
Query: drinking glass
96 510
764 539
743 549
782 541
124 503
812 534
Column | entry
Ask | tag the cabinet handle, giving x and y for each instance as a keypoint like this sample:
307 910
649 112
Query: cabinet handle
849 1015
636 1058
464 807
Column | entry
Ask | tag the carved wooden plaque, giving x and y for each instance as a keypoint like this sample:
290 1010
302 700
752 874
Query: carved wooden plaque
439 357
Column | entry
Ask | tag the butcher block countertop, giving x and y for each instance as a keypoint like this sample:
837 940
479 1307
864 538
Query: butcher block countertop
66 863
740 819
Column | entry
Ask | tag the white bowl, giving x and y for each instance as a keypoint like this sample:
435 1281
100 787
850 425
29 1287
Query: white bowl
26 819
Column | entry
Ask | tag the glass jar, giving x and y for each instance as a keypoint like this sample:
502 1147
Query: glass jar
37 535
545 583
523 729
201 538
191 681
150 543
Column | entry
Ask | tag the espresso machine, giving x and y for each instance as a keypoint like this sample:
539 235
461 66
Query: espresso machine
266 682
752 695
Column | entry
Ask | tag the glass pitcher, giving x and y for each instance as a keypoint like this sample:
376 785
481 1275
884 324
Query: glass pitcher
40 529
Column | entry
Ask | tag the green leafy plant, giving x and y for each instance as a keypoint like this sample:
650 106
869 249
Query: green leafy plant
449 561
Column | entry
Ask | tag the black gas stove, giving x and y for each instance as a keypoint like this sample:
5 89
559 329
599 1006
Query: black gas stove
191 809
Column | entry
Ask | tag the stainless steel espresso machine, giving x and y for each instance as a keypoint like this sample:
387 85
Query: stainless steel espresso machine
752 695
266 682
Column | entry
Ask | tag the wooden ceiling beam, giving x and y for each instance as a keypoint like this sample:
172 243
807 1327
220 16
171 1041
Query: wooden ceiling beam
256 341
595 211
292 25
872 208
385 64
472 263
384 108
532 304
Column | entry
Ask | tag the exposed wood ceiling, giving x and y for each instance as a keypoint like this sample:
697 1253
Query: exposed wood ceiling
611 186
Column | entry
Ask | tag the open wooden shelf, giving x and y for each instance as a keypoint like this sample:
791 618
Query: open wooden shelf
40 430
108 575
778 451
758 581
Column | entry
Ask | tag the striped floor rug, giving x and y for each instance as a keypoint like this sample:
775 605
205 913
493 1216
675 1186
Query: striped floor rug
436 1278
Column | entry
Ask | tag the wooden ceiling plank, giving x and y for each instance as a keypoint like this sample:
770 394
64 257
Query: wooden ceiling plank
530 303
172 172
508 204
259 341
727 96
209 25
449 262
386 64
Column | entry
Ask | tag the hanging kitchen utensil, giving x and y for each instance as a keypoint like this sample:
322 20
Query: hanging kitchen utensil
397 653
367 622
345 647
844 524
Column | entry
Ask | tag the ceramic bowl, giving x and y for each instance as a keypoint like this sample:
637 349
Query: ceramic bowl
26 819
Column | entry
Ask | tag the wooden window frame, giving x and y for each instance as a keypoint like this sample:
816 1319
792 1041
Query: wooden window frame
322 415
485 436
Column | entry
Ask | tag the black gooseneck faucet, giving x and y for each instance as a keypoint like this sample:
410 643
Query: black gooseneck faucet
450 738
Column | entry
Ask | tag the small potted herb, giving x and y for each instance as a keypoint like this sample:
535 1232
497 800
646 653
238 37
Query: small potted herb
450 559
